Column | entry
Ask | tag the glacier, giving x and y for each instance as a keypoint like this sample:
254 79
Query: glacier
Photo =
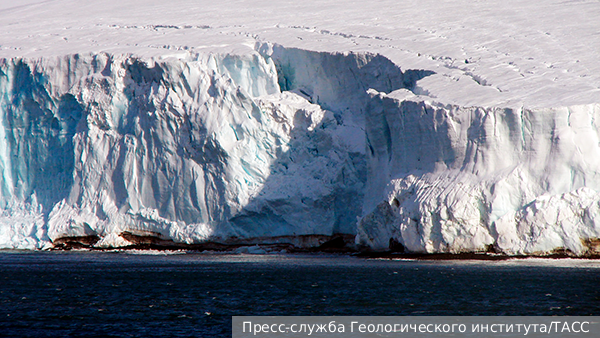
461 179
191 149
284 145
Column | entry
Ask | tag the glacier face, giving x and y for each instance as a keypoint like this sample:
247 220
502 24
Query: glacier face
195 148
279 144
456 179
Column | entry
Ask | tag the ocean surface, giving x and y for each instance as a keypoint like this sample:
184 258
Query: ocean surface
155 294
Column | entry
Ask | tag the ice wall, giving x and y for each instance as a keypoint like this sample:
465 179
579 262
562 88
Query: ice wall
281 145
99 144
189 148
457 179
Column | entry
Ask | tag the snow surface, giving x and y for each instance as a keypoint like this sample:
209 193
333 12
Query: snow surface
447 127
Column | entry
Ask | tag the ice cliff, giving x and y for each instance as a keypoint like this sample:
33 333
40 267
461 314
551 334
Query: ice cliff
456 179
284 145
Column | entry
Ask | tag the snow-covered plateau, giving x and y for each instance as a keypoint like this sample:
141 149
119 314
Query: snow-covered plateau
416 126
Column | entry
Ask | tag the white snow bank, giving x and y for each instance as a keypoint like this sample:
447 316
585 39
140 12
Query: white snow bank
485 53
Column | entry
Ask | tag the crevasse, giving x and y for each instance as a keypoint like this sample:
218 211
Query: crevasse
284 145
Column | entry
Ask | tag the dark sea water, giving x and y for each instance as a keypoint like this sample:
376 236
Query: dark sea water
117 294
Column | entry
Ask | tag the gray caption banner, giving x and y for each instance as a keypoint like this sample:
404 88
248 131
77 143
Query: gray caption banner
421 326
